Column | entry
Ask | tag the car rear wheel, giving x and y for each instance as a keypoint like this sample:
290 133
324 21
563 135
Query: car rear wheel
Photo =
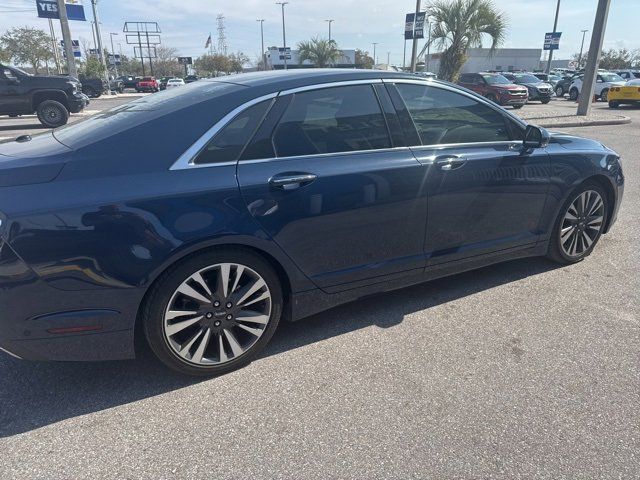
573 94
89 92
517 107
613 104
559 92
579 224
213 312
545 101
604 95
52 114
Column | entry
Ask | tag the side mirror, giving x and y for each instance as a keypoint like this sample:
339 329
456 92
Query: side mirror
535 137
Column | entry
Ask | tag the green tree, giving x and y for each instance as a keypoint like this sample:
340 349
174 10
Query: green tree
237 62
26 45
460 25
166 62
4 56
319 51
92 68
363 59
130 66
213 65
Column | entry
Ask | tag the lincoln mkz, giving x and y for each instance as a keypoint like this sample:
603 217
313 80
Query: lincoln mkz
200 217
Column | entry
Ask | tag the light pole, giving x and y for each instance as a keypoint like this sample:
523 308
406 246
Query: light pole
113 53
388 58
330 21
284 35
581 47
414 47
66 36
555 26
374 55
593 58
264 57
404 52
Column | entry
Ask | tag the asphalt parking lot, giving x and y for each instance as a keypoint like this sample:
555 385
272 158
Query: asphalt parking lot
520 370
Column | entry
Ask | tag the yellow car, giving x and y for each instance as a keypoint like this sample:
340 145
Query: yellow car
629 93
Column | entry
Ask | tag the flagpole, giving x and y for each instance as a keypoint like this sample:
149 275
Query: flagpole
210 44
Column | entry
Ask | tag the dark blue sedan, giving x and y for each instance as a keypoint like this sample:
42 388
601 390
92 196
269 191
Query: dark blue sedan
202 216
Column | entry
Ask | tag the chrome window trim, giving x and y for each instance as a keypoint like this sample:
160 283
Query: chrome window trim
339 83
187 159
321 155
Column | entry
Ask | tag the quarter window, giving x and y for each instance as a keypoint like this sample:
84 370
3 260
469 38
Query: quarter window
442 116
227 145
331 120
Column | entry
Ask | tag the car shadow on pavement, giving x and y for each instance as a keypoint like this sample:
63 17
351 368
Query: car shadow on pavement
34 395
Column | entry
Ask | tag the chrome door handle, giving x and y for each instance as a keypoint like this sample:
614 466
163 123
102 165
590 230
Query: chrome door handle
292 181
450 162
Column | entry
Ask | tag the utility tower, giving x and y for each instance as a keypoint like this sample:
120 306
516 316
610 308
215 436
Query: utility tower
222 39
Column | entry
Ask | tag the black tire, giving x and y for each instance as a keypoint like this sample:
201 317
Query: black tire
604 95
573 94
89 92
161 294
52 114
613 104
121 90
517 107
559 91
555 251
492 98
545 101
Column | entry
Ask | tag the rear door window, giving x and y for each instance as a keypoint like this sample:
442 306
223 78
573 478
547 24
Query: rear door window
442 116
331 120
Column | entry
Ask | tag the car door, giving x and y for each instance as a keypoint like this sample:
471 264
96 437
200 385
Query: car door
12 98
328 181
485 193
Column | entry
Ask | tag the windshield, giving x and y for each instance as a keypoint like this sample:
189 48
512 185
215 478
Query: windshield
19 70
526 78
611 77
496 79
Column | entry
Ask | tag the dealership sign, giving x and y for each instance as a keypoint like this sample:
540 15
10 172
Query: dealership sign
49 9
185 60
552 40
75 46
414 29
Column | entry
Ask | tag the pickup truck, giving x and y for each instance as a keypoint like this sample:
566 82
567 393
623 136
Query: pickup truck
92 87
51 98
148 84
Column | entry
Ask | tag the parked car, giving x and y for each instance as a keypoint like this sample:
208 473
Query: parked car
92 87
163 82
537 89
129 81
116 85
52 98
148 84
496 88
604 82
191 78
175 82
282 194
628 94
426 74
562 86
551 78
628 74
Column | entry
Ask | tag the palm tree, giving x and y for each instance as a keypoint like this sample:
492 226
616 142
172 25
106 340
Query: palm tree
319 51
460 25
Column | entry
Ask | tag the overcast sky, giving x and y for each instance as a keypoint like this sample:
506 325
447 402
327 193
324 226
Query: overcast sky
186 24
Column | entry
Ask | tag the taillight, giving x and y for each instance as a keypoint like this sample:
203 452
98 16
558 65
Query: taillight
639 89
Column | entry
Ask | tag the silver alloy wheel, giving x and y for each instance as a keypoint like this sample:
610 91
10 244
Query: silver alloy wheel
217 314
582 223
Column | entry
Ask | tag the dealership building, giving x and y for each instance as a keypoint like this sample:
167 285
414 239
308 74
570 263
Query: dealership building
275 59
481 59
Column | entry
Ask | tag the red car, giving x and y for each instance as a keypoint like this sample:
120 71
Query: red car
496 88
148 84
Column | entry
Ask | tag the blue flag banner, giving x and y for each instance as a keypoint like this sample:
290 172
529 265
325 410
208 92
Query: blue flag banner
49 9
414 29
552 40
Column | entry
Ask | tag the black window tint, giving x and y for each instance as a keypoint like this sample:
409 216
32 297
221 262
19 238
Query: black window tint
442 116
339 119
227 145
466 78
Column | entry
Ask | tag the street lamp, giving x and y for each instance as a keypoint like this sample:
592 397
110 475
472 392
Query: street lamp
113 53
330 21
555 26
284 35
581 47
264 57
375 60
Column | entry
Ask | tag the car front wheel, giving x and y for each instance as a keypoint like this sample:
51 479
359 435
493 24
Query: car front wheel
579 224
213 312
52 114
604 95
559 92
573 94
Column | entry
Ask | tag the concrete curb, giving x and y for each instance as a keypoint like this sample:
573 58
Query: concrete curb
576 123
